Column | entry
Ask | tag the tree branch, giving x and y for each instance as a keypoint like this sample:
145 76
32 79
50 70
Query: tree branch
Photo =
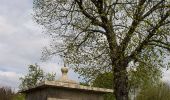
159 45
136 20
153 9
151 34
92 18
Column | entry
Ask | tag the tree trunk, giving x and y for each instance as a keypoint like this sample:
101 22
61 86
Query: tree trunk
120 80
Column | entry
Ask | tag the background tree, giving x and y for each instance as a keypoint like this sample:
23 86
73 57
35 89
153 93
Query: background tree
155 92
139 79
142 77
107 35
35 75
6 93
105 80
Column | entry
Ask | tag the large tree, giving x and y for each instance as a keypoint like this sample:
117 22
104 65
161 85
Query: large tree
104 35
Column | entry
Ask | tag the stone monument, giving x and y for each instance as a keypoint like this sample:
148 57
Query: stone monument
64 89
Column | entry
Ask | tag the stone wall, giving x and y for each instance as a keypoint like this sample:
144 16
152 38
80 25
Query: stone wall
39 94
63 94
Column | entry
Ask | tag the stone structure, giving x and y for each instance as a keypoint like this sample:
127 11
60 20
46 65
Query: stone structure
64 89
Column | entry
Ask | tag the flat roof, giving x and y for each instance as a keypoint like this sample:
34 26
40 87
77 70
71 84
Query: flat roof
66 85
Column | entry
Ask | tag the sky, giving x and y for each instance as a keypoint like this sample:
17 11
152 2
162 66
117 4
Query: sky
21 43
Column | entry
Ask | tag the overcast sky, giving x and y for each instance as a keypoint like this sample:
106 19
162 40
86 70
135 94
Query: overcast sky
21 43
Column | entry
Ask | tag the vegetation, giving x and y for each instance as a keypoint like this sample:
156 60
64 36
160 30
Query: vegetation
99 36
105 81
19 96
35 75
138 80
143 77
158 92
6 93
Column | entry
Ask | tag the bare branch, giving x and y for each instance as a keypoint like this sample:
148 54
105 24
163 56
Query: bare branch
159 45
136 20
92 18
151 34
153 9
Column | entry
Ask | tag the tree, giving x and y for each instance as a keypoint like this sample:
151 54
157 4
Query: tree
101 35
6 93
105 81
139 79
155 92
35 75
143 77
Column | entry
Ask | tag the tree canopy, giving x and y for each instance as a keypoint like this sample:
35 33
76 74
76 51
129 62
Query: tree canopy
107 35
160 91
35 75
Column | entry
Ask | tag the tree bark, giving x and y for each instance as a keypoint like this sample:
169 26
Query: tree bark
120 80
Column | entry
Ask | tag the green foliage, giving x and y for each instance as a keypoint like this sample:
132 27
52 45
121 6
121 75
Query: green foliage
138 79
19 97
104 80
35 75
98 36
158 92
143 76
109 96
84 42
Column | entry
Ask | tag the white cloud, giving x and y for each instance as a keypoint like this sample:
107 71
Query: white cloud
21 42
6 26
9 79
